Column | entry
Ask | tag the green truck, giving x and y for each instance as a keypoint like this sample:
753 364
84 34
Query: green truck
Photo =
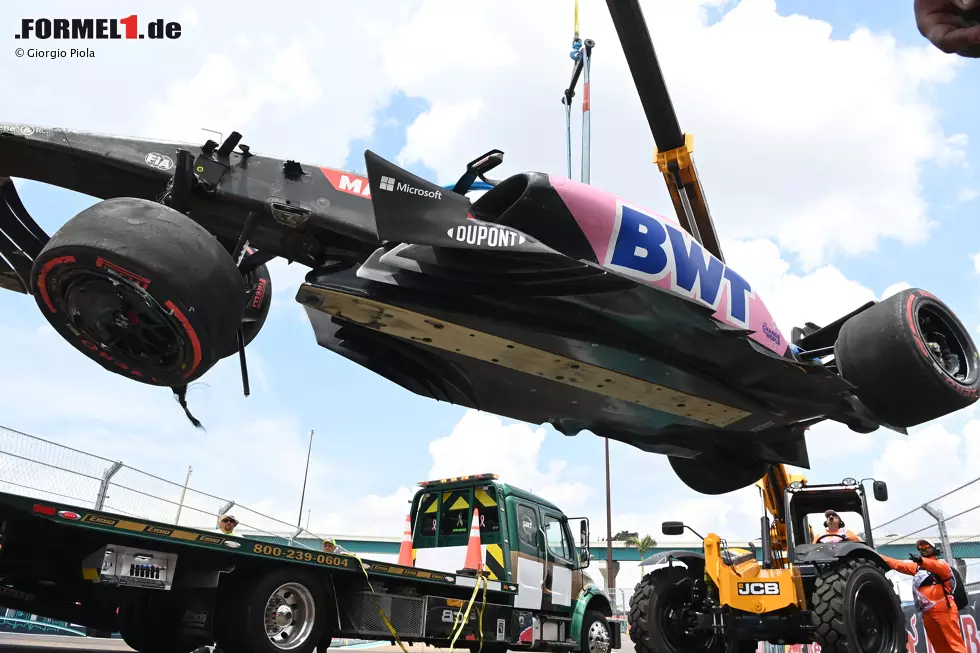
170 589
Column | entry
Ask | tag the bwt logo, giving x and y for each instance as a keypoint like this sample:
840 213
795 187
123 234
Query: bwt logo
96 28
758 589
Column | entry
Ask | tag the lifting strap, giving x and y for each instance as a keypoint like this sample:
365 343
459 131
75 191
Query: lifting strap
583 60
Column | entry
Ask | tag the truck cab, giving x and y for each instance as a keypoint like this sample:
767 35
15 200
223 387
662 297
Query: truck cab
525 540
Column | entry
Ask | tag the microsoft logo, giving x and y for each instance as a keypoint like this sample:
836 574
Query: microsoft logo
388 183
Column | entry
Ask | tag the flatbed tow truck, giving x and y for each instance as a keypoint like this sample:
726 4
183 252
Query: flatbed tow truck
170 589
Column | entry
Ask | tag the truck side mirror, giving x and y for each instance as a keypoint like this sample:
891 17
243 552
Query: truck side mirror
880 489
672 528
584 533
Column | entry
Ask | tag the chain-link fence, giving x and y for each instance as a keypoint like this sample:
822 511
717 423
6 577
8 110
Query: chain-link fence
951 520
35 467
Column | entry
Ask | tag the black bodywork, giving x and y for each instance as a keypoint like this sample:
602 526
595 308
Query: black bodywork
550 297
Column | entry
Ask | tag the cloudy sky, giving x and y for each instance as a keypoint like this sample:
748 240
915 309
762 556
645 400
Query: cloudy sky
837 148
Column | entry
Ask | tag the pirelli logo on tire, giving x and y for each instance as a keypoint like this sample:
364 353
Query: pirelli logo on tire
758 589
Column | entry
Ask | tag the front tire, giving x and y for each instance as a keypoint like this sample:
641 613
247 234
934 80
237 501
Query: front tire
857 610
142 290
910 359
596 634
654 610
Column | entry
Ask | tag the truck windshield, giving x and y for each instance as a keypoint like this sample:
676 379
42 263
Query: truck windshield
445 516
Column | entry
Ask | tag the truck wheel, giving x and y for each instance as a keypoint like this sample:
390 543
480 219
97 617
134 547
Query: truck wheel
910 359
857 610
284 611
655 617
142 627
712 474
596 636
142 290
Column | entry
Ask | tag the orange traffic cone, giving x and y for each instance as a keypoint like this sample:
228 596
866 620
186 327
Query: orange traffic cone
406 555
474 553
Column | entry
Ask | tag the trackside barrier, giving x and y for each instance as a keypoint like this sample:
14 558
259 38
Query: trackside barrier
915 634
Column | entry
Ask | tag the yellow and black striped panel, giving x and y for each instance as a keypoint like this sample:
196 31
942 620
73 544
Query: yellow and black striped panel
484 499
495 562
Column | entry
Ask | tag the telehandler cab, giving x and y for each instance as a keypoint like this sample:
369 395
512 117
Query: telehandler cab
800 590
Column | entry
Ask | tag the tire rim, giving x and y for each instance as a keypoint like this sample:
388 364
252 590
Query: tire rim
598 638
672 616
946 343
122 320
873 620
289 616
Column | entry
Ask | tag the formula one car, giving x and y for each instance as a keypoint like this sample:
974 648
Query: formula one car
545 300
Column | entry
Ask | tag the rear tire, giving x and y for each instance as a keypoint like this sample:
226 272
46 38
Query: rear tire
148 626
847 599
142 290
910 359
296 601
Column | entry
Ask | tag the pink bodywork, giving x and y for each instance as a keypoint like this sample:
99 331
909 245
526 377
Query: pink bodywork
599 215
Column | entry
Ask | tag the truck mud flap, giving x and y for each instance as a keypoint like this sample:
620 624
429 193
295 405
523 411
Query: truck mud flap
130 567
441 614
359 616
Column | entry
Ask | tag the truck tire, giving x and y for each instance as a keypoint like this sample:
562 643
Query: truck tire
857 609
596 635
142 290
650 626
143 628
293 598
909 358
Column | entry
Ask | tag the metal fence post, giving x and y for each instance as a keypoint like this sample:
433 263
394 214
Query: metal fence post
104 486
943 535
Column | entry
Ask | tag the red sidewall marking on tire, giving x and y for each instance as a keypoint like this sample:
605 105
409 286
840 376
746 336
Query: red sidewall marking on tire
142 282
195 343
42 277
910 315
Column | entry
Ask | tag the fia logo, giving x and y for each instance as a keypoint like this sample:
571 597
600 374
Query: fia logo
758 589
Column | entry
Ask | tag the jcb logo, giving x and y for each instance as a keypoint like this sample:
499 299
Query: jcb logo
758 589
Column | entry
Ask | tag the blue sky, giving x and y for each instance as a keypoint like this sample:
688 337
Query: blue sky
418 95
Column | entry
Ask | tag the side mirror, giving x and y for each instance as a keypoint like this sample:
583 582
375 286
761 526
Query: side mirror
584 556
672 528
880 489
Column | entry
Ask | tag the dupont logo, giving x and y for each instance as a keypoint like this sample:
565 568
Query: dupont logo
99 29
486 235
68 514
390 184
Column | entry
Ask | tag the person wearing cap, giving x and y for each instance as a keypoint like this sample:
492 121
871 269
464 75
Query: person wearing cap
226 524
953 26
330 546
932 591
834 524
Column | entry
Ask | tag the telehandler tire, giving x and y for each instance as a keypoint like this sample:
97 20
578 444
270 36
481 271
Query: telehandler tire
857 609
652 624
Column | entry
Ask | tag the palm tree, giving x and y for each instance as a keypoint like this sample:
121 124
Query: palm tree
641 544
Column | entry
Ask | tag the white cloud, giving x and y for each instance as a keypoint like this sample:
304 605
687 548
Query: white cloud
771 163
967 195
481 443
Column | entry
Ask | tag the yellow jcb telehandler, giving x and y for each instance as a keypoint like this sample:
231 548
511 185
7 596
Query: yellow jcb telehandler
828 590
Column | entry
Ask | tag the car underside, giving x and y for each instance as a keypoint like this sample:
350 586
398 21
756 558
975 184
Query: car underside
544 300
